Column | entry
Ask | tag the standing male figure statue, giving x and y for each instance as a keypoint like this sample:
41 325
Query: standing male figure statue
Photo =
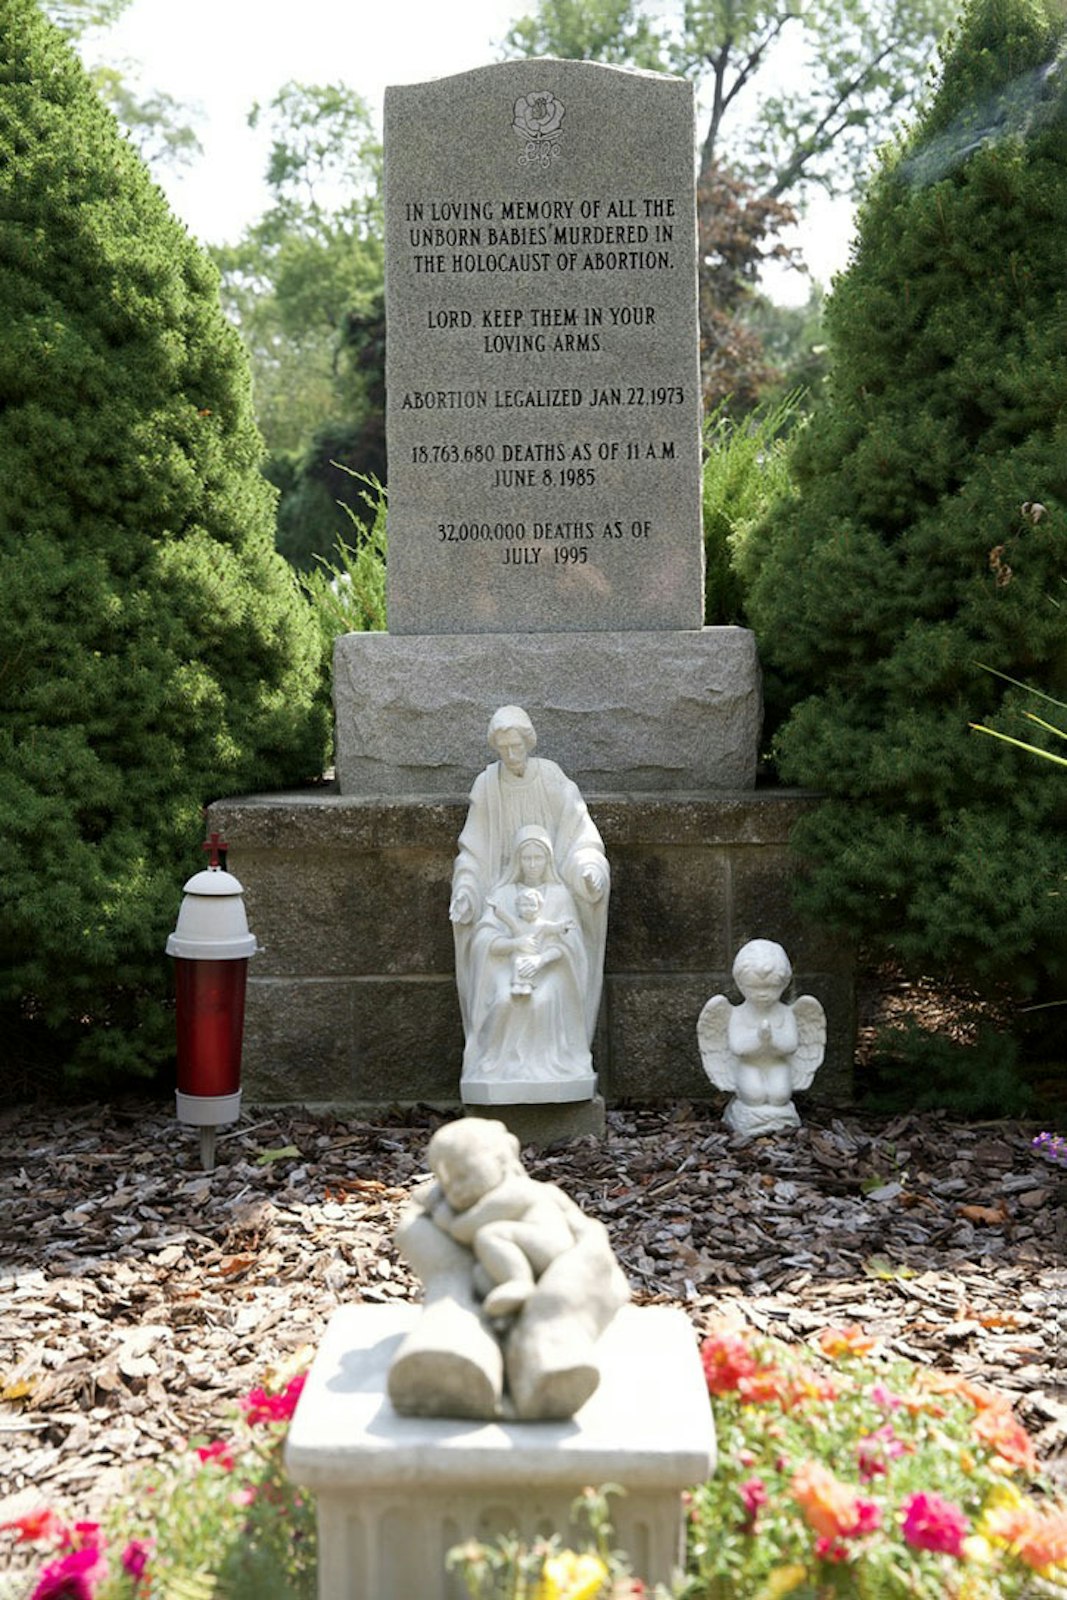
524 806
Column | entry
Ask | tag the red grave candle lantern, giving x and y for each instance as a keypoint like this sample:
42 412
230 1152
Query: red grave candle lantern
211 945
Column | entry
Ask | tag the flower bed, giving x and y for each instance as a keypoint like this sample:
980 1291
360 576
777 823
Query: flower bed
219 1517
843 1471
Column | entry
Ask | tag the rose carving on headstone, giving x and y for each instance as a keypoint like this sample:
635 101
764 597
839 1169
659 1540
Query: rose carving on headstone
538 119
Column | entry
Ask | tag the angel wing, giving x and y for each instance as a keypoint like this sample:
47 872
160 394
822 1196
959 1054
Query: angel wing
713 1029
811 1030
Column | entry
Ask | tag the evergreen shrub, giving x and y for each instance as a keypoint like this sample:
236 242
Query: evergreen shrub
925 535
155 651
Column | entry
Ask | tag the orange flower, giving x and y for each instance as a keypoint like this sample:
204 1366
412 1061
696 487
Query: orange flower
807 1384
1038 1538
850 1341
764 1386
830 1507
998 1428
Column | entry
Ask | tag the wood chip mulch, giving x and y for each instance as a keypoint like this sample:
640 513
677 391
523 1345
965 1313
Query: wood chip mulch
140 1297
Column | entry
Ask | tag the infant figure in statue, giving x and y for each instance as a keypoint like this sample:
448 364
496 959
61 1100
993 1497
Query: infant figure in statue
518 1286
514 1225
534 944
761 1050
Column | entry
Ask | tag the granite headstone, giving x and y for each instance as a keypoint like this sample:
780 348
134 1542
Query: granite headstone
542 358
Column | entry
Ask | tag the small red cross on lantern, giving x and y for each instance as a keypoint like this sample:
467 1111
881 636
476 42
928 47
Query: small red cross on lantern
218 847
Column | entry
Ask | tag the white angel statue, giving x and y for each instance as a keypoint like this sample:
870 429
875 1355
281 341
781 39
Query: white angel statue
762 1050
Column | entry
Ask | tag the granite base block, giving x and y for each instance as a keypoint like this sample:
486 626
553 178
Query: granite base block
395 1493
636 712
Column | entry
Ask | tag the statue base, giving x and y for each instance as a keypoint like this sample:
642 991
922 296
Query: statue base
493 1092
548 1124
394 1494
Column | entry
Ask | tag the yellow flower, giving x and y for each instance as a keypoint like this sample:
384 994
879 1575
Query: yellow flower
572 1576
782 1581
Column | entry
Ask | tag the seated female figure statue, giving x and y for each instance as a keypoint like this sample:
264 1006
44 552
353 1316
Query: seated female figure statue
522 790
527 1035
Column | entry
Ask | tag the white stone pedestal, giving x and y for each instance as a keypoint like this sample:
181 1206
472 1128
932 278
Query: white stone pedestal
395 1493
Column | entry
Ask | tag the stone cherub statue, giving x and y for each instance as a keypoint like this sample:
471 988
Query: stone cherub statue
528 1012
762 1050
519 1284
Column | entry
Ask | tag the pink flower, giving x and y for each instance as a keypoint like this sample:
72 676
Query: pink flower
259 1406
868 1516
875 1449
135 1558
73 1577
753 1494
219 1452
881 1396
931 1523
830 1549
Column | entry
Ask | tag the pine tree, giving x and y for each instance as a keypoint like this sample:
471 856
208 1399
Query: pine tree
926 536
154 650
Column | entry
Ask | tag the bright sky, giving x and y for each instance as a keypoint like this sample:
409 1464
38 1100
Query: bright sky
223 55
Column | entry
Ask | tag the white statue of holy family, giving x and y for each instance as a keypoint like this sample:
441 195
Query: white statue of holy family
529 910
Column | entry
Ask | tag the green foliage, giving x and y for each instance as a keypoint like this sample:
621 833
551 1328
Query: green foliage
314 259
1039 722
609 31
914 1069
304 288
348 592
157 123
155 651
911 549
745 468
770 132
315 481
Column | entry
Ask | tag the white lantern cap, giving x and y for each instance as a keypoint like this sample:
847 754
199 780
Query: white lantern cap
212 924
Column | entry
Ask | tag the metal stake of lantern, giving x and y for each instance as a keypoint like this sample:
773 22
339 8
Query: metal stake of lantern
211 945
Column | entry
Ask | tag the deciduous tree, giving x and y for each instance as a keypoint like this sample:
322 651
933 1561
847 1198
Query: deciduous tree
793 93
301 278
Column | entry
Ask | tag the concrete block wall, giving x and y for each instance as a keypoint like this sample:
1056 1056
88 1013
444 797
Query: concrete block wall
352 1000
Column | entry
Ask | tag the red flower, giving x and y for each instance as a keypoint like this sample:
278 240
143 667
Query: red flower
726 1360
931 1523
37 1526
219 1452
259 1406
831 1549
135 1558
875 1449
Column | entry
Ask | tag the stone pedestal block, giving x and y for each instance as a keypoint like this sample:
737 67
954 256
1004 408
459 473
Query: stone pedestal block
639 713
395 1493
352 1001
546 1125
